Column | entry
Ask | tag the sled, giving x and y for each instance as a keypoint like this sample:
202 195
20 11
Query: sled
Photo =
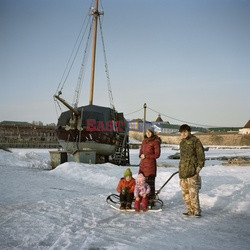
113 200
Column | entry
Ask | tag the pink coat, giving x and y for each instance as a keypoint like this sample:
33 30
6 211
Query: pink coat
141 190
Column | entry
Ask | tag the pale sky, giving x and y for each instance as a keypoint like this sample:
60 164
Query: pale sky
187 59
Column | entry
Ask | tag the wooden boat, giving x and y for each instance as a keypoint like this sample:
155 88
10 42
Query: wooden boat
102 129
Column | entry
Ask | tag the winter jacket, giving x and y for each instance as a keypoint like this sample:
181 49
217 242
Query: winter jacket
141 190
191 156
130 185
151 149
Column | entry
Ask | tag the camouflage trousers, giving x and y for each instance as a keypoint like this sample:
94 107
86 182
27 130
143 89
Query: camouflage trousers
190 192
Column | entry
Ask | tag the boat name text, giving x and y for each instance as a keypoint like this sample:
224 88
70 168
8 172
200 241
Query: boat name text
94 125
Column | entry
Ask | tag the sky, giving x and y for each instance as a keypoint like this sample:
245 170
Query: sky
188 60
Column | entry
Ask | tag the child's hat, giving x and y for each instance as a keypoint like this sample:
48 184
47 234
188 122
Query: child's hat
127 172
140 177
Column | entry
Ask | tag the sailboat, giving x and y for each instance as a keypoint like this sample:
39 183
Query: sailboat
98 128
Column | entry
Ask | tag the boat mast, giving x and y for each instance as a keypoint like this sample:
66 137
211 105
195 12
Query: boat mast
95 13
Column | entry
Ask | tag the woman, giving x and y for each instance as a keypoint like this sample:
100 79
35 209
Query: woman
149 152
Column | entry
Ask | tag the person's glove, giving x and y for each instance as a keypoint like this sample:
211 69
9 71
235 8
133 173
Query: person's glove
124 191
198 169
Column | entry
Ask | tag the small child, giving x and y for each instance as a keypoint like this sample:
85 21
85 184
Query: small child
142 189
126 188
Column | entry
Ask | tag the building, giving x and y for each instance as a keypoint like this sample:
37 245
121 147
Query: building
224 129
159 119
246 129
161 126
23 134
166 128
137 125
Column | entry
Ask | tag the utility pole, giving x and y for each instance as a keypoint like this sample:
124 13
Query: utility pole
144 119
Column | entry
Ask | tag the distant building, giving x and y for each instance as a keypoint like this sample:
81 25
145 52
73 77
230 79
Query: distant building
159 119
14 123
20 134
166 128
224 129
246 129
160 126
137 124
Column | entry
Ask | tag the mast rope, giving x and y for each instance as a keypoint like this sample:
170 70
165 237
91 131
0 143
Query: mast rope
56 102
73 55
82 72
134 112
111 100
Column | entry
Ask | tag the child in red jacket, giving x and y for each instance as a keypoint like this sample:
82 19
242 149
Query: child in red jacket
126 188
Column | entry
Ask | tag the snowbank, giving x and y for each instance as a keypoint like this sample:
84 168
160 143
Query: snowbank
65 208
24 158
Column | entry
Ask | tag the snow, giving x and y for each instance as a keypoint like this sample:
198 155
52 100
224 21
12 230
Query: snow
134 141
66 208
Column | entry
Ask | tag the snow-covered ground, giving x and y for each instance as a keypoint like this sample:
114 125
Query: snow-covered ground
66 208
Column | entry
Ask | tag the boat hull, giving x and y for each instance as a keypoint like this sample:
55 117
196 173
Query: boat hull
97 128
100 148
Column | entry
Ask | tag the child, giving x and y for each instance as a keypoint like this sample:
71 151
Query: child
142 189
126 188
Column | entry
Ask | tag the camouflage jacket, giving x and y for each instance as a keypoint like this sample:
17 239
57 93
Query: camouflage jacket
191 156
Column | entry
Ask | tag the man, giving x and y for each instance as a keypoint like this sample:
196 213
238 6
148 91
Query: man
192 160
